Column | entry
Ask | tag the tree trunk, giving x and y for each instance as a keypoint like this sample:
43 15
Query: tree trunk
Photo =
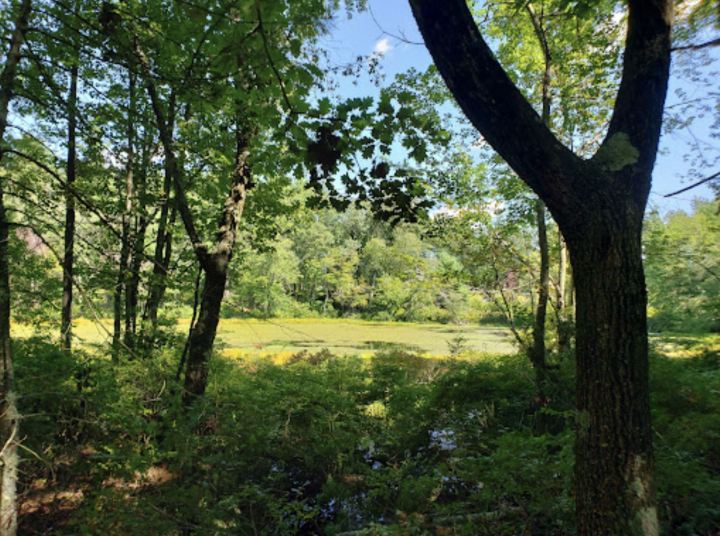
202 337
138 254
614 461
69 253
216 267
214 263
118 292
129 185
130 234
563 326
9 418
599 205
158 278
163 244
537 351
193 320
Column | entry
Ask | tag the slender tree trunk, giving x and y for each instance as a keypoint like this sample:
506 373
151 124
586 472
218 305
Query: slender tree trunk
130 224
118 292
163 245
129 185
214 263
537 352
614 460
138 253
69 250
216 271
563 327
202 338
193 319
9 418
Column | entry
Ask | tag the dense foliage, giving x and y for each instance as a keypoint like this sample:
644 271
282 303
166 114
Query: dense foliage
683 266
169 163
322 444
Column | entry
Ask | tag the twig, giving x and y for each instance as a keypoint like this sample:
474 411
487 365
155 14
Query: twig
394 36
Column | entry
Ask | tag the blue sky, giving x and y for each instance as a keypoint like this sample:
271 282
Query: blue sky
362 35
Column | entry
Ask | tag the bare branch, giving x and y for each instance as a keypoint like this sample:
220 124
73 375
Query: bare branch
394 36
695 184
712 43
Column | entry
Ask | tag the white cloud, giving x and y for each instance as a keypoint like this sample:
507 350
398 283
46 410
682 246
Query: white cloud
382 47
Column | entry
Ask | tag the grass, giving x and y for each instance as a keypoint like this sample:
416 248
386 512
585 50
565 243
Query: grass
281 338
356 337
240 337
686 345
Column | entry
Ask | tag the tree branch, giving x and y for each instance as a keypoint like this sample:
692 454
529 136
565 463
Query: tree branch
495 105
695 184
712 43
167 141
47 169
641 96
266 48
7 76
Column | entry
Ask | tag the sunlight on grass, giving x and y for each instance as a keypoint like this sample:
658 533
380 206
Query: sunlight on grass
686 345
355 337
281 338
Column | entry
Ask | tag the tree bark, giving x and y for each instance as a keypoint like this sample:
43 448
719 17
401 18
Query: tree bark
214 263
538 350
599 205
118 291
9 418
216 267
69 249
614 459
193 319
129 234
613 465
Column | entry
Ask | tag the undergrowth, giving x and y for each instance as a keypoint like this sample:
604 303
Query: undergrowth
397 444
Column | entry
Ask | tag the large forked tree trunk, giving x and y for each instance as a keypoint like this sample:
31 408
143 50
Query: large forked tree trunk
69 248
9 418
599 205
614 443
